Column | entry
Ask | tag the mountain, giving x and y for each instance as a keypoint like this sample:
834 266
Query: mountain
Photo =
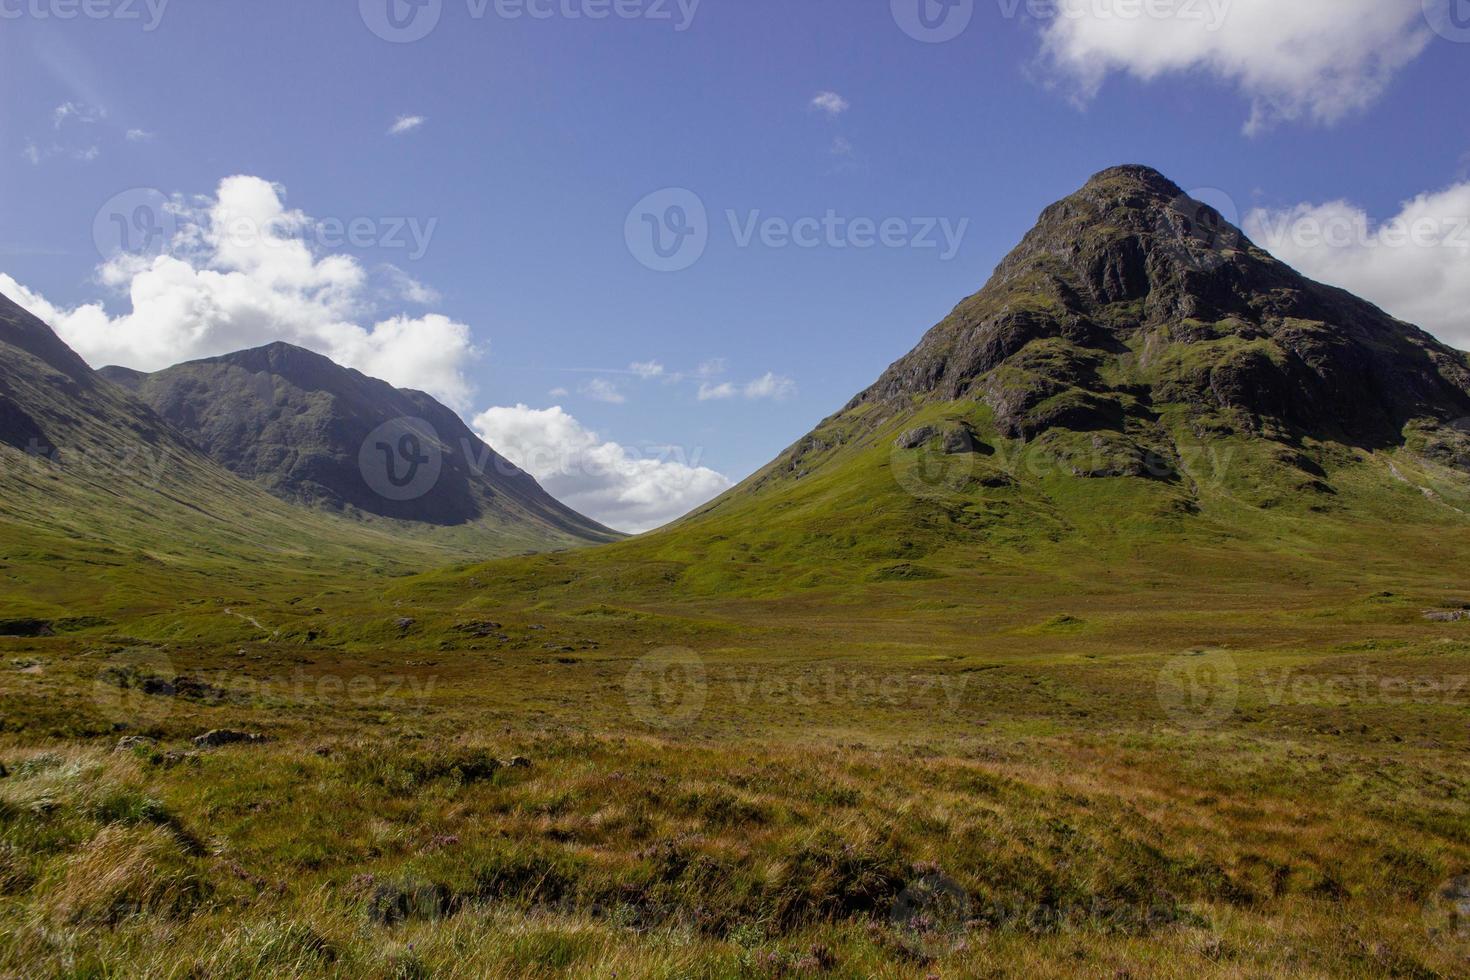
317 434
1136 380
107 509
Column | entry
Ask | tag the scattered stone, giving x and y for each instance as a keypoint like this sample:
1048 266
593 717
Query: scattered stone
130 742
538 627
518 762
405 624
224 736
1447 615
480 629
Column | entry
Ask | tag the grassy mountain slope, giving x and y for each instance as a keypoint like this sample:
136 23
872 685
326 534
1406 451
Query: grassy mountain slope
107 511
308 430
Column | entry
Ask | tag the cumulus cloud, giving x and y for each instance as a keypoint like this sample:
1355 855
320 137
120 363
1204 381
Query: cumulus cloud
831 103
1416 265
140 136
239 273
406 124
772 386
626 488
1316 59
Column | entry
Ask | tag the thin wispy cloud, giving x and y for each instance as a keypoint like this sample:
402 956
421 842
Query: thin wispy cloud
78 112
406 124
647 369
140 136
769 386
603 390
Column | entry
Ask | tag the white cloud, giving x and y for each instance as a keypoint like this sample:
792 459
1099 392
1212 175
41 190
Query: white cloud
773 386
1319 59
1415 265
78 112
558 393
602 390
406 124
33 153
238 275
622 487
841 146
712 392
140 136
646 369
831 103
408 288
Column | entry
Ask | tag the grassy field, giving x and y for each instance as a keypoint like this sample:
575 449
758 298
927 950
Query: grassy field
1204 760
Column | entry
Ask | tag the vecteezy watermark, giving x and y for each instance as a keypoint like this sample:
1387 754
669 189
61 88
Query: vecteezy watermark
1286 687
950 460
1200 688
140 463
1447 916
131 688
411 235
140 221
149 12
930 464
931 915
402 459
145 222
1313 229
1199 229
406 21
667 688
669 230
1450 19
933 21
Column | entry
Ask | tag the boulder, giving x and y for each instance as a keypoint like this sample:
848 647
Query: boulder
224 736
914 438
129 742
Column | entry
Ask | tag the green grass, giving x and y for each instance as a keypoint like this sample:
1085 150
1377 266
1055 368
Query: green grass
848 721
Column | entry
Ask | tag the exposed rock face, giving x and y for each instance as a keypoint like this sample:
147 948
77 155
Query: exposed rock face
297 423
1129 294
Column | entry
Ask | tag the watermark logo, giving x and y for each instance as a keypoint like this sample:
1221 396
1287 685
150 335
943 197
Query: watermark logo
668 230
1447 916
150 12
406 21
1199 228
931 915
667 688
402 459
933 21
401 21
1199 689
135 686
140 221
1450 19
933 465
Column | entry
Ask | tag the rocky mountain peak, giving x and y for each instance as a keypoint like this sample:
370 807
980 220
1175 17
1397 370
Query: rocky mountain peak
1130 294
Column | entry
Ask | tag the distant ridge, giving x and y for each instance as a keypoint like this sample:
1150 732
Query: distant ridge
299 425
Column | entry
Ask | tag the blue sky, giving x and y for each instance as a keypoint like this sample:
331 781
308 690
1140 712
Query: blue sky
497 216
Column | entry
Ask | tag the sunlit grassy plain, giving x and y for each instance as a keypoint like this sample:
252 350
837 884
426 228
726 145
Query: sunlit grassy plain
1045 727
